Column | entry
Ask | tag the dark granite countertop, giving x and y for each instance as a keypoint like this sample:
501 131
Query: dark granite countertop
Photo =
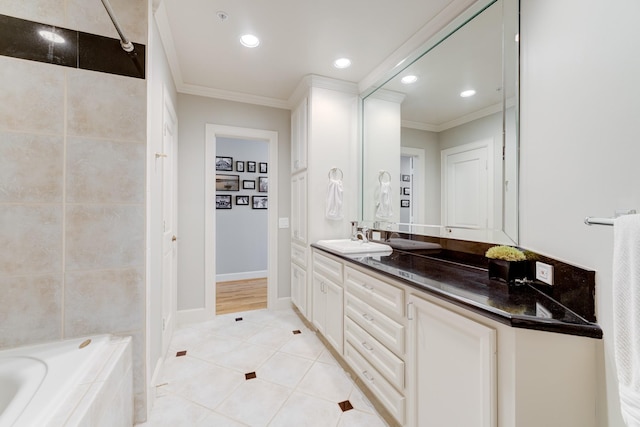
470 287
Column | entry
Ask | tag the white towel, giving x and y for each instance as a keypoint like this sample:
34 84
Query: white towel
626 314
384 209
334 200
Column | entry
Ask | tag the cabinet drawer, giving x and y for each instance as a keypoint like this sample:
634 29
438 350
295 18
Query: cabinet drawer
390 398
381 295
384 329
299 255
375 353
329 268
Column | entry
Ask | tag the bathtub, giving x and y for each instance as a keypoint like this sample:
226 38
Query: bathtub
85 381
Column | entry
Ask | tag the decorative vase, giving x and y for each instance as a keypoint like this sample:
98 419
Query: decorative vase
507 271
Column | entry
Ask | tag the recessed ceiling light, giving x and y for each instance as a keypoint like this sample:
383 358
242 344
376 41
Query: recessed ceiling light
467 93
249 40
342 63
409 79
51 36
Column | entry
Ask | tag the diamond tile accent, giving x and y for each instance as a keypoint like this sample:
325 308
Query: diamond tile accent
250 375
181 353
297 331
345 406
238 319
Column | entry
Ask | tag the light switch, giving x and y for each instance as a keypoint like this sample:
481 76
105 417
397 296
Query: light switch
283 222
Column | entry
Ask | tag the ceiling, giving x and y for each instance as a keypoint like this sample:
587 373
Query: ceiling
298 38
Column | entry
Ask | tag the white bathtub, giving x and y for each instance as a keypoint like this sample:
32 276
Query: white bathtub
85 381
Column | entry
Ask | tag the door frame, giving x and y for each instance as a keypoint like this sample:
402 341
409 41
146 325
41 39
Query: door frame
212 132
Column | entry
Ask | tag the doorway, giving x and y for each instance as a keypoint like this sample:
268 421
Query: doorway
250 201
242 196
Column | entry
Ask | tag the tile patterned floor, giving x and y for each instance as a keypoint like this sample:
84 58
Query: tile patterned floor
297 382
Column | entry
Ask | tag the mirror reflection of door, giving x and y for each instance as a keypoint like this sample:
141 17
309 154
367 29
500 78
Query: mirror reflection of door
242 225
467 197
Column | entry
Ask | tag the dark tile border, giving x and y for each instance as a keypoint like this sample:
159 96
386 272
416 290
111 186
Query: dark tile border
20 38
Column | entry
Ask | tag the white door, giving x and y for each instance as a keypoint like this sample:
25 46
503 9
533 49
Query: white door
169 222
467 176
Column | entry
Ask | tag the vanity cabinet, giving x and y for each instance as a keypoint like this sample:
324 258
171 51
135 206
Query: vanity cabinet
451 365
430 362
328 299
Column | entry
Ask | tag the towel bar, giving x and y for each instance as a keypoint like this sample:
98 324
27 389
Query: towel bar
590 220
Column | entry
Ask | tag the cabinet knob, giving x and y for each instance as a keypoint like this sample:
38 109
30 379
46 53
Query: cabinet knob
365 374
366 346
367 317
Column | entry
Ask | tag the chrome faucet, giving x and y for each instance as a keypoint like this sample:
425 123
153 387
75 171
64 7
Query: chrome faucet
363 235
354 230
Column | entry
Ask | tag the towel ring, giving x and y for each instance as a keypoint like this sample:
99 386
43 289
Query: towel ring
383 174
334 171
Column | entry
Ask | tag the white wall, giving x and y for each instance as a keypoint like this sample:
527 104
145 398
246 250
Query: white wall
241 232
579 142
194 112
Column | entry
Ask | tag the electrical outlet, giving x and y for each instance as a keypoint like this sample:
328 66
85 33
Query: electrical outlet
544 272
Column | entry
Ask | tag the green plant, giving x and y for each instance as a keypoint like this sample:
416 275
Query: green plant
506 253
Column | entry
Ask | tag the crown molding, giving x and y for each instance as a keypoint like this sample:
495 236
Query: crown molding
420 126
314 80
228 95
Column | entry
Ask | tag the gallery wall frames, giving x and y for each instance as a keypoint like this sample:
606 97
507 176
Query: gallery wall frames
223 201
248 184
263 184
224 163
227 182
259 202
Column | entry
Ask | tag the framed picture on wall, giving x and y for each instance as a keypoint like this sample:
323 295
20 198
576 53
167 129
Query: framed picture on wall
263 184
248 184
251 167
263 167
404 203
242 200
260 202
224 163
223 201
406 178
227 183
239 166
406 191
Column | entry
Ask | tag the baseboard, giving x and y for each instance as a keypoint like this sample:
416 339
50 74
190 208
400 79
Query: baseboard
245 275
194 315
152 389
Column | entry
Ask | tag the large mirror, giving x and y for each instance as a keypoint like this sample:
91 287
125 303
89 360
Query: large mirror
440 137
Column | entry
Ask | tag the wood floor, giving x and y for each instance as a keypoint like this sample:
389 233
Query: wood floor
241 295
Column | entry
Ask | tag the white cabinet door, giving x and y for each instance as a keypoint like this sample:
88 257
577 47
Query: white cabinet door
327 310
451 368
299 136
334 317
319 302
299 288
299 208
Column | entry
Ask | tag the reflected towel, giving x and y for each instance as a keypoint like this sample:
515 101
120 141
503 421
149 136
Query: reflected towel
384 209
626 314
334 200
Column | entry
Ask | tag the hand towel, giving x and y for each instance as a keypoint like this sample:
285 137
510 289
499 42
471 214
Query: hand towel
333 209
384 209
626 314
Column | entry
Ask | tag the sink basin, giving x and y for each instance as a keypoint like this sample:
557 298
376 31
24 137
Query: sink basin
348 246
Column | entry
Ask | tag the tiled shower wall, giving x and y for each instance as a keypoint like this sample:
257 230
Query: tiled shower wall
72 190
